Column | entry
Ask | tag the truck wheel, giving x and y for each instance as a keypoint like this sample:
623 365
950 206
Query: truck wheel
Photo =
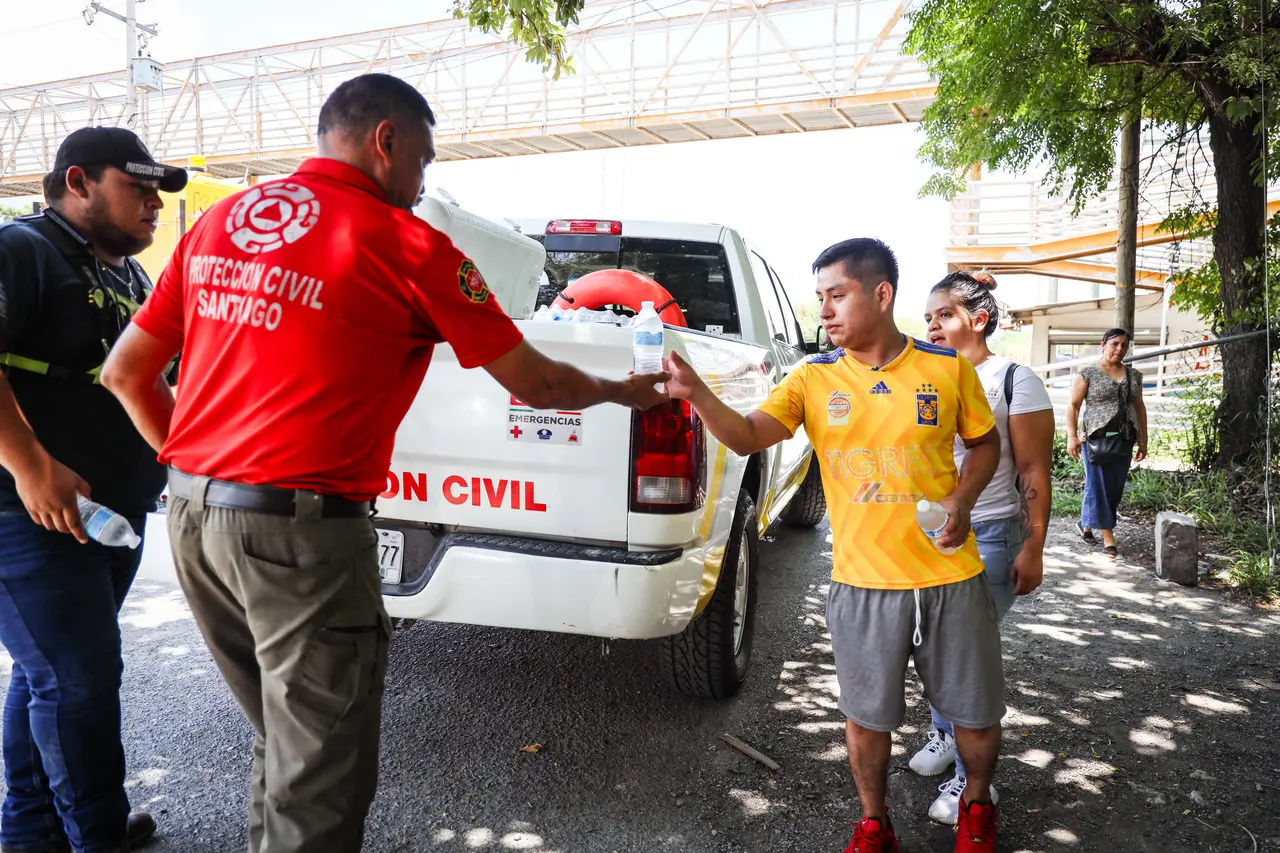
708 660
809 504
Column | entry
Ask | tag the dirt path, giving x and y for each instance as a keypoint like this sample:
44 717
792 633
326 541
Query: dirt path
1143 716
1142 710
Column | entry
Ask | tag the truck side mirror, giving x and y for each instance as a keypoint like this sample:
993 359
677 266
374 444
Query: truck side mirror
819 344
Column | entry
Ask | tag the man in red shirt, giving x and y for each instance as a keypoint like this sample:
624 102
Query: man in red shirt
306 312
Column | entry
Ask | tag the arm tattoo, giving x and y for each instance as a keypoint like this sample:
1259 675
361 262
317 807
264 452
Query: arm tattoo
1028 495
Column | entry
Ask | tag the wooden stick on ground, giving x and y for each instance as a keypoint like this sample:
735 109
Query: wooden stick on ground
750 751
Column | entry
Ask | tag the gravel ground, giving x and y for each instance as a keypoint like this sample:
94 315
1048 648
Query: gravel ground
1142 718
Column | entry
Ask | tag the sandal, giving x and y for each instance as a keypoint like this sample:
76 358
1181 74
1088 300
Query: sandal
1111 551
1086 535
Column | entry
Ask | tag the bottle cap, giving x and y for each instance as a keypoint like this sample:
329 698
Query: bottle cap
922 506
646 306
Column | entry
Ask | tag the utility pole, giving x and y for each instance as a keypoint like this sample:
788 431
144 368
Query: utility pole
1127 231
131 30
130 51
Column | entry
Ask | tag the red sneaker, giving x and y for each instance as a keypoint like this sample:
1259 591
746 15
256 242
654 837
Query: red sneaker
874 835
977 830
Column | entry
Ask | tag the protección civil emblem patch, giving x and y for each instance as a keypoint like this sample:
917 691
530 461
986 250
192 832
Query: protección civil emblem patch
472 283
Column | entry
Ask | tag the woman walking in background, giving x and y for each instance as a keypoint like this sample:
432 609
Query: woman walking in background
1012 514
1115 420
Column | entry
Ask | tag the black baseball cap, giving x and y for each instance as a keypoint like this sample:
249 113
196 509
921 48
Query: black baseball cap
121 148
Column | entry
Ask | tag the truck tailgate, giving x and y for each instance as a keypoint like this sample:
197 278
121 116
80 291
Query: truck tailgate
468 454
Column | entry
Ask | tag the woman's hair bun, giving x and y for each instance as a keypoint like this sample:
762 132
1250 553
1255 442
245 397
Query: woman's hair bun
985 279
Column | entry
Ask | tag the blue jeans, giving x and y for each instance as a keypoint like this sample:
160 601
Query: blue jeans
999 541
63 760
1103 489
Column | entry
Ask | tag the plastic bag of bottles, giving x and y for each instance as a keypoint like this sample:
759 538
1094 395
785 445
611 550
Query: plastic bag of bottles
557 314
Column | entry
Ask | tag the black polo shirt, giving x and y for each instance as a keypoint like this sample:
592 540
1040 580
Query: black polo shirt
46 314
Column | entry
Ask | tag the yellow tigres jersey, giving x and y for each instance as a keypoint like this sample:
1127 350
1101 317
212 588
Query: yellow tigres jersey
884 439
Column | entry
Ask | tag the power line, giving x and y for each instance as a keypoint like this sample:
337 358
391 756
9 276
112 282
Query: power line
32 29
46 25
1266 292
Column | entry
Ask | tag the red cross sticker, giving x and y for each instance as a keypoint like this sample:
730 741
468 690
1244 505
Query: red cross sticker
516 432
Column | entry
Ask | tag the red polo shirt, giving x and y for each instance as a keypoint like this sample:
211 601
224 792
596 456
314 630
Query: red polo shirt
306 311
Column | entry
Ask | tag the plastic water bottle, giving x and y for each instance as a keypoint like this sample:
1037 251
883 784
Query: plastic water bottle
646 342
105 526
932 518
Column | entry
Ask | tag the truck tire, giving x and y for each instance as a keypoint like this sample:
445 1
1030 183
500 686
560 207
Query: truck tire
809 505
709 659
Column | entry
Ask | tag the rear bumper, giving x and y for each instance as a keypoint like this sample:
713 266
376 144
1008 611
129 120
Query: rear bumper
513 582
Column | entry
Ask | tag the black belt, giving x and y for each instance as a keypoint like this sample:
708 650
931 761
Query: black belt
271 500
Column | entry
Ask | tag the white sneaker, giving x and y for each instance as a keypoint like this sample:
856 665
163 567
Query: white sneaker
946 809
936 755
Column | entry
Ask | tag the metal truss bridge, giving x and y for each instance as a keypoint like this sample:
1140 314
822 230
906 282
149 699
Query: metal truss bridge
648 72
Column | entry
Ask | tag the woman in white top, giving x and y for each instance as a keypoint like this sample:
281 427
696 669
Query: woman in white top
1012 514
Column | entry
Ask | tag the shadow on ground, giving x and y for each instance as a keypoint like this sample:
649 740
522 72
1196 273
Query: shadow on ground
1142 717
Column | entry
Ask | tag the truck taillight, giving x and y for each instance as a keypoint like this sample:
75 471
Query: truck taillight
584 226
667 464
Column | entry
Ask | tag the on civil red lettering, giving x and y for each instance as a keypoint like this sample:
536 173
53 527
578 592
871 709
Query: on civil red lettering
415 485
475 491
515 494
452 483
393 486
495 496
530 501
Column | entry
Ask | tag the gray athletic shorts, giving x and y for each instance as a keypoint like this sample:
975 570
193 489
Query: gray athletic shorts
958 656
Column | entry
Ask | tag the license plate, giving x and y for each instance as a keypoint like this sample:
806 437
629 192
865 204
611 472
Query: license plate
390 555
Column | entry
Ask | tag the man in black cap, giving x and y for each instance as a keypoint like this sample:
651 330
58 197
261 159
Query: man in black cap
68 287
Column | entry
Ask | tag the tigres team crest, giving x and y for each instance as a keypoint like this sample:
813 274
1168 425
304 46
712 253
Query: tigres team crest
472 283
927 405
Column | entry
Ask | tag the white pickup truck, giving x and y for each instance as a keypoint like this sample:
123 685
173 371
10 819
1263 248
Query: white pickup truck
604 522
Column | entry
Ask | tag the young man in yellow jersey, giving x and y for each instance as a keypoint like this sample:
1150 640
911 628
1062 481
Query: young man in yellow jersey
882 413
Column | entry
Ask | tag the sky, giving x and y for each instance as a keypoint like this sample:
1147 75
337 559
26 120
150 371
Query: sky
791 195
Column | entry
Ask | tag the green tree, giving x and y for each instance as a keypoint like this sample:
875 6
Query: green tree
9 212
1031 83
535 25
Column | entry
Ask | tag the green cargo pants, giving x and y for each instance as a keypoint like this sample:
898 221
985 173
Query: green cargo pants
291 609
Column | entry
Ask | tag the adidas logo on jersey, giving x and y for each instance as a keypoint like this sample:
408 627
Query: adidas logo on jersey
881 388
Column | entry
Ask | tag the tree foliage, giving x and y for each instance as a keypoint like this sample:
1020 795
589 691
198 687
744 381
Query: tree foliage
1044 84
1198 289
1028 84
535 25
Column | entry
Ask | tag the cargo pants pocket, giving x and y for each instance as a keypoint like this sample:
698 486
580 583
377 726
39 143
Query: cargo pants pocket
341 669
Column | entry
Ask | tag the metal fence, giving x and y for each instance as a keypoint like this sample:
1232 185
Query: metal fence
1173 382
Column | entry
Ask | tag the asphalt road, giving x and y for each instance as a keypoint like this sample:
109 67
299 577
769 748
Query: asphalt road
626 764
1125 694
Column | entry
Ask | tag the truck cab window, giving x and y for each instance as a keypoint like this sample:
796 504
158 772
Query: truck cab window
794 335
772 307
695 274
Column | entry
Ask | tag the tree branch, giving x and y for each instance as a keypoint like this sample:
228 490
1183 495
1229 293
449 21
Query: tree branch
1149 45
